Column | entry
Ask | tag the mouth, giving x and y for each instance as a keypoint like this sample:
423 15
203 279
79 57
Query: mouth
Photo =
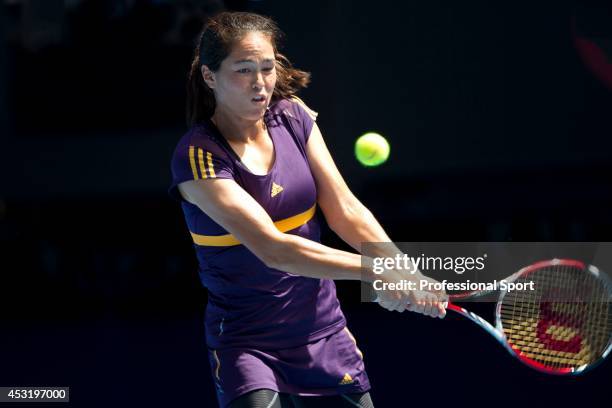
259 99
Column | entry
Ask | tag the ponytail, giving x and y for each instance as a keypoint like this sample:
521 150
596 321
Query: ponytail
200 98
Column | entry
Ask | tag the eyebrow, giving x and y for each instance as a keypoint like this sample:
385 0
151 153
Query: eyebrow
250 60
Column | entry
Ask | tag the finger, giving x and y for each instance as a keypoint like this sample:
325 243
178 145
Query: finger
391 305
419 306
400 305
427 308
436 310
386 305
382 303
435 306
442 311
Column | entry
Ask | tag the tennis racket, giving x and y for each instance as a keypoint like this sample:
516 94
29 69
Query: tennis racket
563 326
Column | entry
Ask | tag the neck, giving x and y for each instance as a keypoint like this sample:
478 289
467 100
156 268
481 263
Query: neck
235 128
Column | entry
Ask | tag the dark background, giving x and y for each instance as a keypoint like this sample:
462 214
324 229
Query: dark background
498 114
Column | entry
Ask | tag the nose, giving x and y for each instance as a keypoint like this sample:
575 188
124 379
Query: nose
259 81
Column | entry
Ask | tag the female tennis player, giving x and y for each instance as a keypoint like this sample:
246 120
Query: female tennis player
250 173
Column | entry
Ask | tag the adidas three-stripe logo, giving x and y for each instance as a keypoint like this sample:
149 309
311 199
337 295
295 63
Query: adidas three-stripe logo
201 168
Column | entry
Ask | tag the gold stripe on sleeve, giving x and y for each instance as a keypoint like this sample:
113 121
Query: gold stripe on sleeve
201 162
229 240
194 169
211 168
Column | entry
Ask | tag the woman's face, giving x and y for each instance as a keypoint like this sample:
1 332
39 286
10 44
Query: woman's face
248 73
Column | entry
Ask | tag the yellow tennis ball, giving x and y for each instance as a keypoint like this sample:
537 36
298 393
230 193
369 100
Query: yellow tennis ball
371 149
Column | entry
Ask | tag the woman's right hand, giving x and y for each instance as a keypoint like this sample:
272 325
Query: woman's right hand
419 301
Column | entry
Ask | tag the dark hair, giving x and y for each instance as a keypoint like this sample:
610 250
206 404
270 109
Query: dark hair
218 35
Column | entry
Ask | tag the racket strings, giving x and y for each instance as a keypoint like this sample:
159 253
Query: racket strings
564 319
566 322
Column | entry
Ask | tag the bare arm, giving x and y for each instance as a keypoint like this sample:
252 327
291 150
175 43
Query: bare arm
238 213
344 213
353 222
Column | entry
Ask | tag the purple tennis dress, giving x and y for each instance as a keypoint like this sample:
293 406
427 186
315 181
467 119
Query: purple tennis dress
266 328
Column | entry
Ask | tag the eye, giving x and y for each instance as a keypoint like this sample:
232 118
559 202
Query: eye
268 69
243 71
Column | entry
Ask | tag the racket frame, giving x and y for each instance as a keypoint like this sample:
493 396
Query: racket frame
497 330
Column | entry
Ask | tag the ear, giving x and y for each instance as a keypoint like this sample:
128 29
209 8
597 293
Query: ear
208 76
